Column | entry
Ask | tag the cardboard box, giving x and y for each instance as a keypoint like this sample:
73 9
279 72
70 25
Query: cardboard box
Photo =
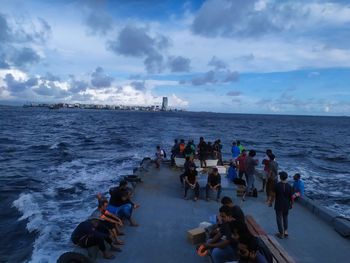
196 235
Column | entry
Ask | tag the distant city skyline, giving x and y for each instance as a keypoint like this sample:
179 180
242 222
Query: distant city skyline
234 56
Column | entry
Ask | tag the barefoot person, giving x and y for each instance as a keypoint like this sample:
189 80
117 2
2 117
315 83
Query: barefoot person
120 203
283 200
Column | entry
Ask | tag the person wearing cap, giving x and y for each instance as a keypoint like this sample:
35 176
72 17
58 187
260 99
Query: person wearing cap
283 200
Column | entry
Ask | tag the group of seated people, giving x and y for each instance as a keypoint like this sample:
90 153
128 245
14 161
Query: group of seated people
203 150
230 239
189 179
104 224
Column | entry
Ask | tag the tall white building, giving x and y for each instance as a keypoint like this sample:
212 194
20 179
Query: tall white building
165 104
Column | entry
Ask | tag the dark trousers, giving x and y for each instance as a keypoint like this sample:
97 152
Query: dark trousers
282 221
196 189
207 189
97 239
182 178
241 173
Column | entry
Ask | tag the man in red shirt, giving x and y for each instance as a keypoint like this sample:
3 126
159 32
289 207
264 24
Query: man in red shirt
240 162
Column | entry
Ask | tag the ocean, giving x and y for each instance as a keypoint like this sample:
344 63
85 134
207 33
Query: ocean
54 162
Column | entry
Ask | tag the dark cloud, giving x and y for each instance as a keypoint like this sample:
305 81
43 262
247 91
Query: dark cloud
76 86
207 78
99 79
25 56
15 86
217 63
138 85
99 22
154 63
179 64
242 18
135 42
233 93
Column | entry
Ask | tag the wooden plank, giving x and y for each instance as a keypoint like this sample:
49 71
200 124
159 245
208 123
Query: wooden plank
282 251
254 225
280 255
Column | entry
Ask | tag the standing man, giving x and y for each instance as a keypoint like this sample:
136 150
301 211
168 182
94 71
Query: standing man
202 152
250 164
241 165
283 192
266 163
214 183
175 150
271 179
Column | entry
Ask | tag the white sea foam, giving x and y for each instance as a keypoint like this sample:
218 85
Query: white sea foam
54 216
54 146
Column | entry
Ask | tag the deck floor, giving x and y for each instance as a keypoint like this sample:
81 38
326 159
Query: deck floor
165 217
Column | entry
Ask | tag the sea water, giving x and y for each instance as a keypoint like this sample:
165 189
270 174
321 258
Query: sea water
54 162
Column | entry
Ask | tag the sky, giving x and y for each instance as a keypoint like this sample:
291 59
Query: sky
235 56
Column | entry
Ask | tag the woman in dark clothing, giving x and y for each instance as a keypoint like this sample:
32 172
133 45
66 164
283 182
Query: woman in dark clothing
283 194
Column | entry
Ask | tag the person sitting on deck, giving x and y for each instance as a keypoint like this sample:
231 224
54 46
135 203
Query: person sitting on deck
248 250
120 203
188 163
213 183
237 212
88 234
223 246
159 156
202 152
298 187
108 219
191 182
232 172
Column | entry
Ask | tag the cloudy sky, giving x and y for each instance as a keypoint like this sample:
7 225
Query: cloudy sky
245 56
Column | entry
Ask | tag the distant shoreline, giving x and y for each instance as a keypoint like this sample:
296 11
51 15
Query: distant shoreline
209 112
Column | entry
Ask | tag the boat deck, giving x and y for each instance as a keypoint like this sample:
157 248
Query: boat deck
165 217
